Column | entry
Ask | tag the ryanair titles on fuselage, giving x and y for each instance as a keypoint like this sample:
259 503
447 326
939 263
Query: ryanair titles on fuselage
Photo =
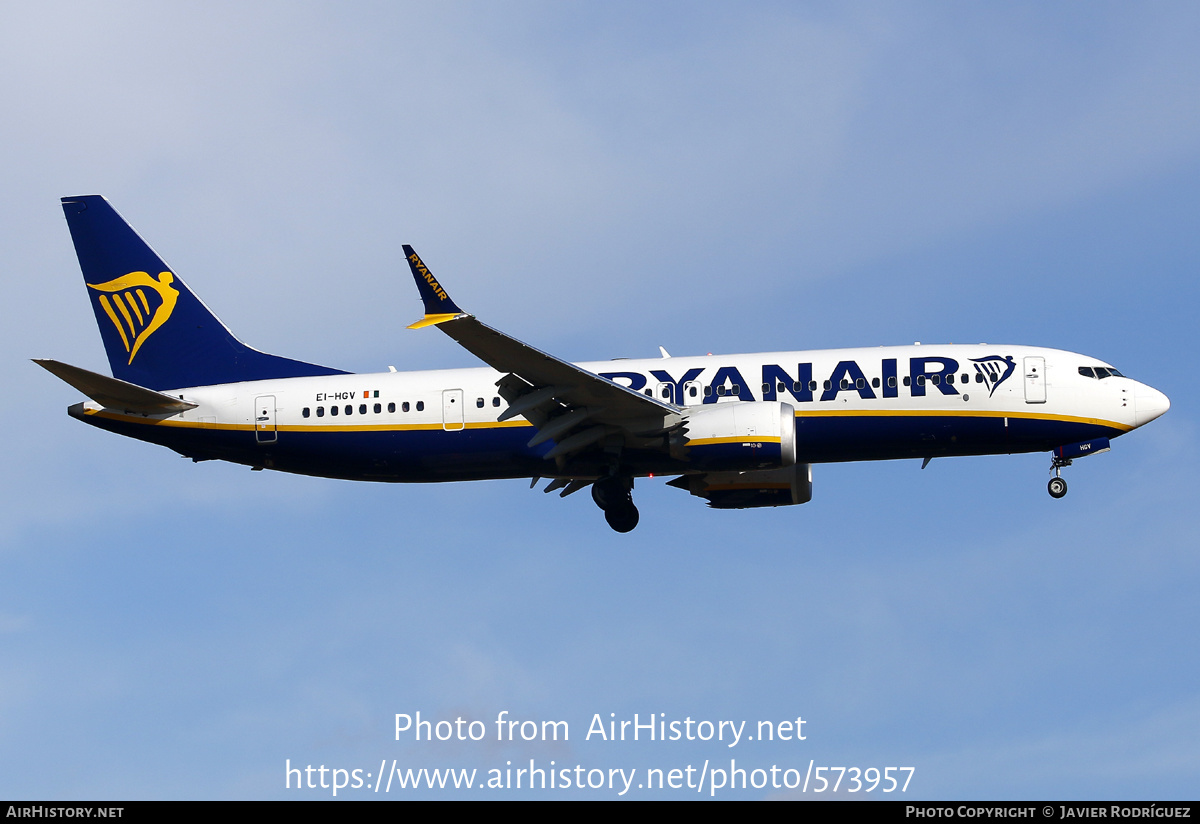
920 374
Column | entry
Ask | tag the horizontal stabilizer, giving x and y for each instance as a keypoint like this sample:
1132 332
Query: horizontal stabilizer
114 393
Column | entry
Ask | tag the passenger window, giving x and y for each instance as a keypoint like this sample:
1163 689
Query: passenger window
920 380
404 406
736 389
936 379
767 388
479 403
907 380
305 412
333 410
796 386
649 394
391 407
827 386
362 409
708 391
420 406
965 378
349 409
950 379
844 384
691 391
378 409
812 386
875 382
978 377
781 388
892 382
720 390
860 383
495 401
320 411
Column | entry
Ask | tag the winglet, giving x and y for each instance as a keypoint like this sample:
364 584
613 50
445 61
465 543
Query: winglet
438 306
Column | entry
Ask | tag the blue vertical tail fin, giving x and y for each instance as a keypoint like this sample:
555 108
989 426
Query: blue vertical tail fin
156 332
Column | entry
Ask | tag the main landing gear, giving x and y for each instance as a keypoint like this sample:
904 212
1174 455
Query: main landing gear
615 496
1057 486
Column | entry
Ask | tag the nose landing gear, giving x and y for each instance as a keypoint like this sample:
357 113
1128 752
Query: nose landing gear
1057 486
615 496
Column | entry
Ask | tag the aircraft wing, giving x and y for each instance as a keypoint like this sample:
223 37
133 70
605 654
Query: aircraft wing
114 393
556 396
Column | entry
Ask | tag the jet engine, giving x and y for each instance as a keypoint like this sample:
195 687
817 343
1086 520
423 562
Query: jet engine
737 436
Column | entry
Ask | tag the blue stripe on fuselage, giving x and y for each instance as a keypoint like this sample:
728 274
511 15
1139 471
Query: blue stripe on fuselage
848 437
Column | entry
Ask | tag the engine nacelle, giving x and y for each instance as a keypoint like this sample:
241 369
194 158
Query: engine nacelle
745 490
742 435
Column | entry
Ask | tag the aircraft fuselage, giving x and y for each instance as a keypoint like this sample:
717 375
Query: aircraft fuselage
849 405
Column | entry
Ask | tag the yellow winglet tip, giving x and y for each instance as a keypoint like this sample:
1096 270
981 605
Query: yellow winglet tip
433 320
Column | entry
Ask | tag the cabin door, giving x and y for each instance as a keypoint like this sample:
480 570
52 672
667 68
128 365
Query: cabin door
1035 380
264 419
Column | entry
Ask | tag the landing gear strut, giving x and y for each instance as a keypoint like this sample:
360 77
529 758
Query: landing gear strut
1057 486
615 496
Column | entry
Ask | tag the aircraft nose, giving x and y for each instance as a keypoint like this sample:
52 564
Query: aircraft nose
1148 404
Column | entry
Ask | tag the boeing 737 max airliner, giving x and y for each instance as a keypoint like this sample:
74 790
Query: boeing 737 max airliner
737 430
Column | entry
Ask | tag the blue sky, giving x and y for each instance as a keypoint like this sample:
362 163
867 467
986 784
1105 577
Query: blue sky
599 180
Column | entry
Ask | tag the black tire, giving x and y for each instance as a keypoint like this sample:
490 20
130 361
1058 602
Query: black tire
611 493
622 518
1057 487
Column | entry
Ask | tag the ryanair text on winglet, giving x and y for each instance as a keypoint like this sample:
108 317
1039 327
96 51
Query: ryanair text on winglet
437 288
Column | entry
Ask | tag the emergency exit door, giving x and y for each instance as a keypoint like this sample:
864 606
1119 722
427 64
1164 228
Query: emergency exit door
452 410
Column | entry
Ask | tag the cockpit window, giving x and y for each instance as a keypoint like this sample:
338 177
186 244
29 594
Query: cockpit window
1099 372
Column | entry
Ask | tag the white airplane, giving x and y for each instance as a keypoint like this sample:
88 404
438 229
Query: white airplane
737 430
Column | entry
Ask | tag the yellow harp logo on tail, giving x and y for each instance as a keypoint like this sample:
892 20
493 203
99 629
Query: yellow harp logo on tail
137 304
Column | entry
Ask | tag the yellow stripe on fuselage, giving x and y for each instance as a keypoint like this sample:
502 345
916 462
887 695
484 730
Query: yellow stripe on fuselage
396 427
249 427
955 413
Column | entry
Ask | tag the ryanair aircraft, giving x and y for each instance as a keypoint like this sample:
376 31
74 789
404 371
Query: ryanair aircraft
739 431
